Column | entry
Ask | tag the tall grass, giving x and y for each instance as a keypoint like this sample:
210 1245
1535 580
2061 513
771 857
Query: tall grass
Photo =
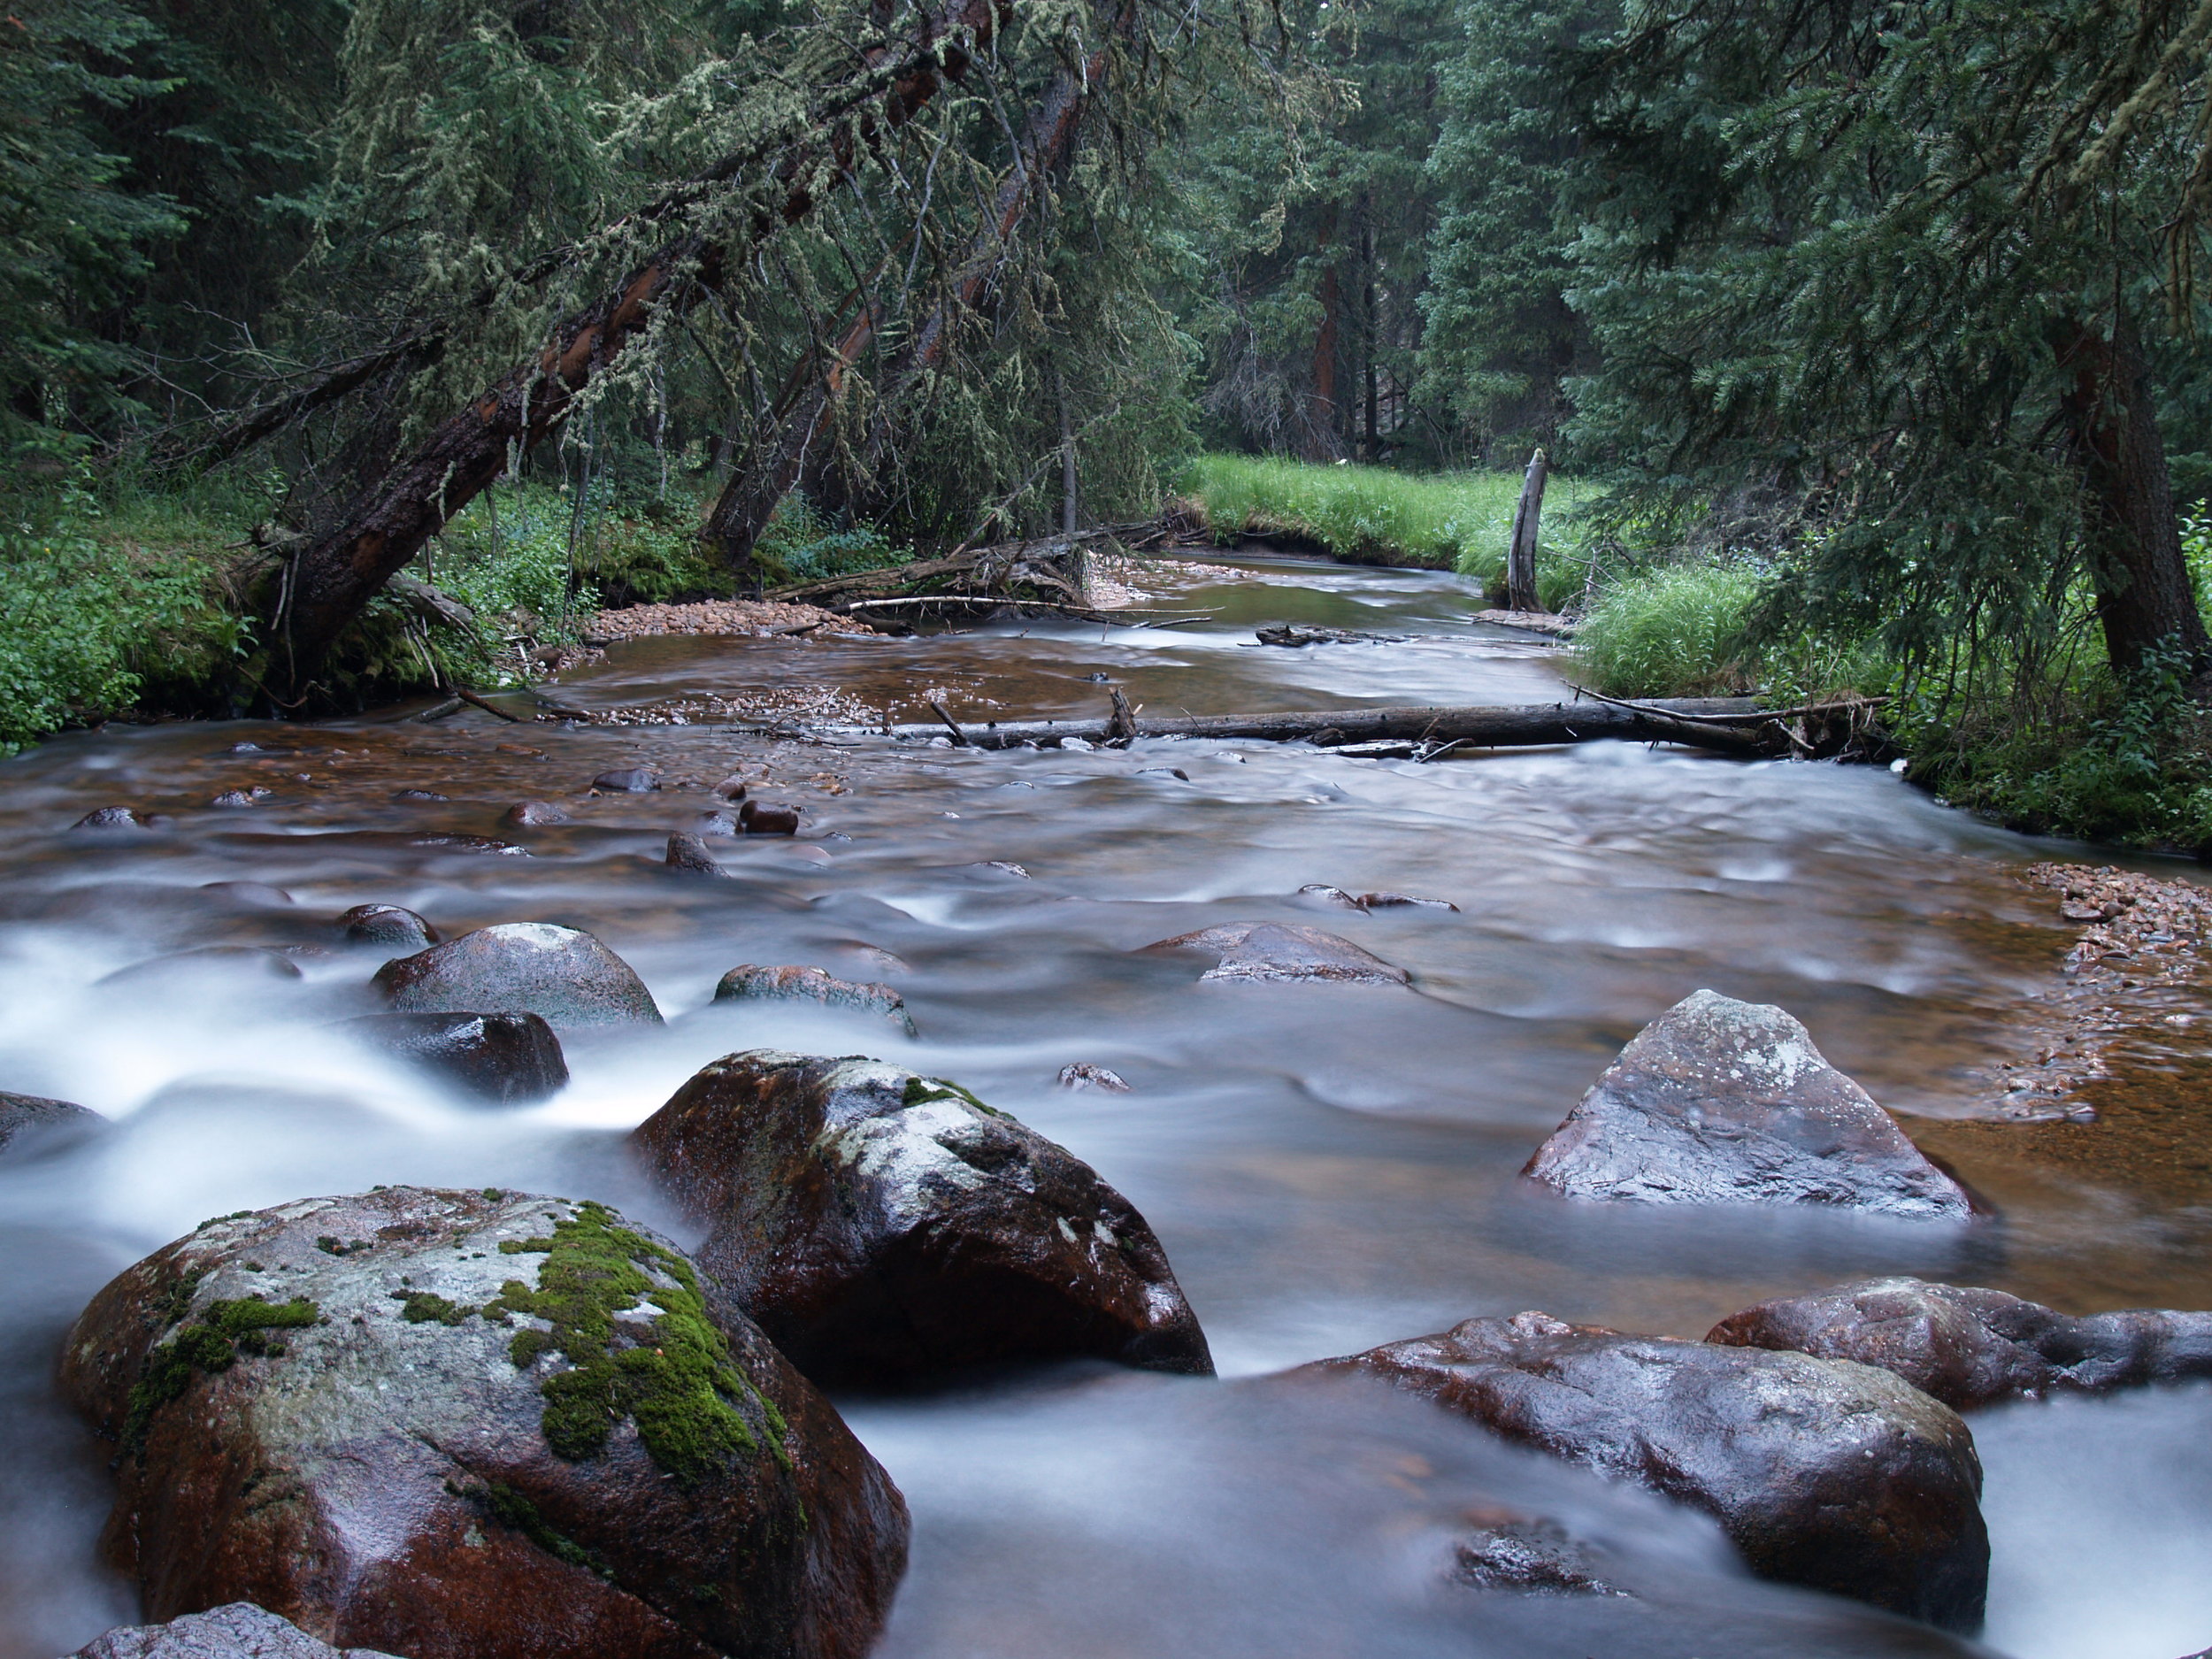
1441 521
1676 631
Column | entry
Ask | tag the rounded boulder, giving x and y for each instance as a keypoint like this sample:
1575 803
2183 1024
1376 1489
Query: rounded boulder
563 975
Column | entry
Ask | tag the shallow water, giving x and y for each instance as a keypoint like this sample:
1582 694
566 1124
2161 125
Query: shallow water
1329 1167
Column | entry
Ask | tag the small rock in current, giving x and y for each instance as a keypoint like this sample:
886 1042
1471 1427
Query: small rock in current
1326 897
1394 900
512 1059
731 788
238 1630
632 781
30 1121
534 815
563 974
720 825
1721 1101
107 817
755 983
255 892
1283 953
1001 866
418 794
1082 1074
191 967
254 796
760 818
688 854
387 925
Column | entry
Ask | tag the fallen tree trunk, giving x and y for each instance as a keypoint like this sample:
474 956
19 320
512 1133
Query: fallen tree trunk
1005 572
1728 726
325 586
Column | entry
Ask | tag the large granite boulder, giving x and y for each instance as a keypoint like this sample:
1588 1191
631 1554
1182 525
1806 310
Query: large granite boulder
508 1059
1282 954
476 1426
562 974
1822 1473
1973 1348
237 1631
28 1121
885 1228
1720 1101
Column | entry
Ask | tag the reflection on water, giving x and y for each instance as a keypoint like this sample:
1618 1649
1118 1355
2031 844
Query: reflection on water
1329 1167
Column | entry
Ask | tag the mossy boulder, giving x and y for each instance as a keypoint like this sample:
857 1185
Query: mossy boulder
887 1229
563 975
1822 1473
477 1425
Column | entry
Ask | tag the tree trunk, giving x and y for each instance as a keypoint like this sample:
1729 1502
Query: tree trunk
1520 558
1321 416
788 450
2144 599
326 585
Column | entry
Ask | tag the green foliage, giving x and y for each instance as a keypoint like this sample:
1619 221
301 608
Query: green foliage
1442 521
673 1373
88 619
1677 631
511 1508
799 545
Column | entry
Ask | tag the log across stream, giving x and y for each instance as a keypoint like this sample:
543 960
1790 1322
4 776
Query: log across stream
1328 1166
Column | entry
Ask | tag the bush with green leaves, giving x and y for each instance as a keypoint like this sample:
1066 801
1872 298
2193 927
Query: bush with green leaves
799 545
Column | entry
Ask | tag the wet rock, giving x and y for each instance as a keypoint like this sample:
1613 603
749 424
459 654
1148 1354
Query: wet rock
632 781
562 974
885 1228
108 818
1082 1074
1283 953
254 796
689 854
435 840
760 818
387 925
731 788
29 1121
1002 867
418 794
1971 1347
1176 772
534 815
477 1425
1834 1475
1721 1101
228 961
512 1059
755 984
238 1630
717 825
254 893
1399 901
1504 1549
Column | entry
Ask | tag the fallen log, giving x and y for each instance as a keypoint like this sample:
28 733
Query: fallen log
1697 723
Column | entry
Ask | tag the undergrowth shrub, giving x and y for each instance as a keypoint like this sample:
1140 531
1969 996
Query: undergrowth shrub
1675 630
799 545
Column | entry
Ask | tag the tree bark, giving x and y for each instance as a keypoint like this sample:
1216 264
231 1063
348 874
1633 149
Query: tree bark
326 585
2146 601
1321 418
1520 558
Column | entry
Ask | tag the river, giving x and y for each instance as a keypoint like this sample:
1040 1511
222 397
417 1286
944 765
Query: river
1329 1167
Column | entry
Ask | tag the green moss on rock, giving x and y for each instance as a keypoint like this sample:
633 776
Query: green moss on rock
423 1306
212 1343
674 1376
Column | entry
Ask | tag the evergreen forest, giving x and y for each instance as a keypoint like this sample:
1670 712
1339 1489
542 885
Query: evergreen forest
1870 342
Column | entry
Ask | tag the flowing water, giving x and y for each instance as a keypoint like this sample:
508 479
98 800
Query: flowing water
1329 1167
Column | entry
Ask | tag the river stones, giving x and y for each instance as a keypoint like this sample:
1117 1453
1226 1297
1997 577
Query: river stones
764 817
1822 1473
111 817
751 983
1282 954
886 1229
1084 1074
562 974
1721 1102
30 1121
203 967
509 1059
628 781
387 925
237 1631
534 815
477 1425
688 854
1971 1347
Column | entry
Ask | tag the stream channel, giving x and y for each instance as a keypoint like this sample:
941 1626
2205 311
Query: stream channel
1329 1167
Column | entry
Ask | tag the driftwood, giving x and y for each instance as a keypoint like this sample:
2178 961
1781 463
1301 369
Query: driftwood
1045 575
1520 557
1689 721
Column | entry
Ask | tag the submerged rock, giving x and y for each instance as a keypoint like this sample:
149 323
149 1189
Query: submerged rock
465 1425
1283 953
260 894
237 1631
30 1121
631 781
205 963
106 817
1971 1347
763 817
514 1059
687 854
1403 900
1834 1476
254 796
885 1228
751 983
534 815
405 796
563 974
1721 1101
387 925
1081 1074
